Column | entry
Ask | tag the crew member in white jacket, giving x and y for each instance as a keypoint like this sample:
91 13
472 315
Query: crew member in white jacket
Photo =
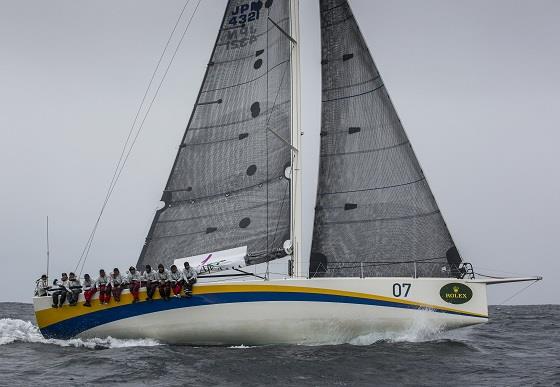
164 282
103 284
152 282
42 286
116 282
74 289
59 295
176 281
88 286
189 279
134 279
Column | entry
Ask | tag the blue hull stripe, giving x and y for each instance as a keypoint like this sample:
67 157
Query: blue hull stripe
70 328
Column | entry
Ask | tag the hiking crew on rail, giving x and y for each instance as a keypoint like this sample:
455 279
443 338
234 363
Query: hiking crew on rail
68 287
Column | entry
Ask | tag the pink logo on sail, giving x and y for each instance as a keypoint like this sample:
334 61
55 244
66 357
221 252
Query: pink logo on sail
205 260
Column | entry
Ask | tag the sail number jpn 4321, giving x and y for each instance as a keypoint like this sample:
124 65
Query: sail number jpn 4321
244 13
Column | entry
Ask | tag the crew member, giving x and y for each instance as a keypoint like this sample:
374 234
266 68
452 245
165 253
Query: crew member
59 295
164 282
189 279
88 286
42 286
175 276
151 279
134 280
103 284
75 288
116 283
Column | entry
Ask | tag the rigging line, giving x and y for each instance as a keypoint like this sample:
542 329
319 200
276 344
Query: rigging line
48 248
518 292
499 271
144 120
108 194
146 115
114 179
488 276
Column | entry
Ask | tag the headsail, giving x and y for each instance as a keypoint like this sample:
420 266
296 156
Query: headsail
375 214
227 187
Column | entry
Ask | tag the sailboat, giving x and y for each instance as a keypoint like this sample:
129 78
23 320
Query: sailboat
381 257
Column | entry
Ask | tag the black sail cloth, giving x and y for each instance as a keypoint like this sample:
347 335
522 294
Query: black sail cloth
227 187
375 214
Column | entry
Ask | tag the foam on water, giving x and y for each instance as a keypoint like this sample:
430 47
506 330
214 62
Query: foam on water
15 330
416 333
421 329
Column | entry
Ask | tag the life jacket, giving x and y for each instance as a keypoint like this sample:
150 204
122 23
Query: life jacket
74 284
116 281
151 276
175 276
133 277
189 274
42 287
87 284
102 281
163 277
60 284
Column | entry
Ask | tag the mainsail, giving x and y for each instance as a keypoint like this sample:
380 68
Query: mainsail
228 185
375 214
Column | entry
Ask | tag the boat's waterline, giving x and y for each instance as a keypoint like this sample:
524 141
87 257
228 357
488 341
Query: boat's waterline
270 312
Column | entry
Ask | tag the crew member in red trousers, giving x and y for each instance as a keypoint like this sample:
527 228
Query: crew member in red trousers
134 280
102 284
176 281
88 286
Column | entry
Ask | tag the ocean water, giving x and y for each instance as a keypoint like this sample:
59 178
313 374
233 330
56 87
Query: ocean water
520 346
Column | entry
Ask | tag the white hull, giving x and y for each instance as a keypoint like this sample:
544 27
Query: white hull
312 311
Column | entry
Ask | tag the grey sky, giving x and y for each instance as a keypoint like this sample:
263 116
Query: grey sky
475 84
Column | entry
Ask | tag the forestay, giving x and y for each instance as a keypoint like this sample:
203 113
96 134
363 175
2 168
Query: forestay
375 214
227 187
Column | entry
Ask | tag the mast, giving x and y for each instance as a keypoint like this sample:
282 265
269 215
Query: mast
295 133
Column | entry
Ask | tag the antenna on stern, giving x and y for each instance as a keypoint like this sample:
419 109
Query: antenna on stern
48 247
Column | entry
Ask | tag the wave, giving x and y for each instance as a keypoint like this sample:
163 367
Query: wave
20 331
421 330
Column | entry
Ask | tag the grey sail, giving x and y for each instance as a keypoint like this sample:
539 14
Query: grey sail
227 187
375 213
